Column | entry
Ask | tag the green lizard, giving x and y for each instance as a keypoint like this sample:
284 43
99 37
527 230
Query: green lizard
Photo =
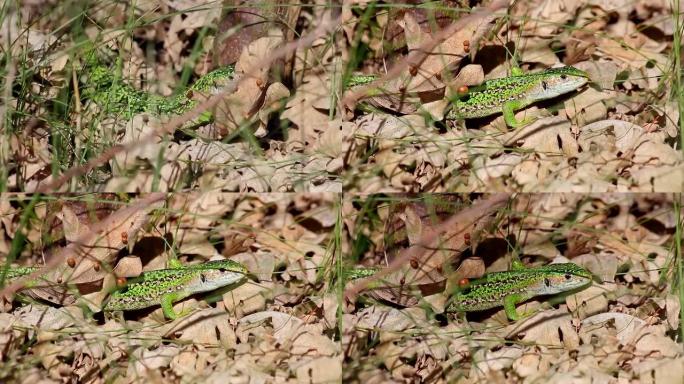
16 272
516 286
509 94
118 98
166 286
509 288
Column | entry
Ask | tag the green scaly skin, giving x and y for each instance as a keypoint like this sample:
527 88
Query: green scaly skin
117 98
15 273
510 288
509 94
360 80
165 286
360 273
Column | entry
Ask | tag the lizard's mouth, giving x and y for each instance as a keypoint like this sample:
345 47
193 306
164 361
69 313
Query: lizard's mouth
251 276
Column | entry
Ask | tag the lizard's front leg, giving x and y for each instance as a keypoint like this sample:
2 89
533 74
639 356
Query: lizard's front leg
509 109
509 306
167 306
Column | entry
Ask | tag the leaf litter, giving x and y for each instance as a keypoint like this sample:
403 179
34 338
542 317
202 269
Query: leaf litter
624 327
291 125
277 327
244 147
563 152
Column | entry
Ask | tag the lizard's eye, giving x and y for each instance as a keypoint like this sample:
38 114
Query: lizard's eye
544 85
563 77
547 282
203 278
223 270
567 276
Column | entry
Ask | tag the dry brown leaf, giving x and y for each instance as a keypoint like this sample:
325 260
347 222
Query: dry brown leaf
247 298
129 266
138 127
389 319
656 178
666 372
547 137
654 342
488 361
300 338
193 328
319 370
589 301
547 17
330 306
486 169
146 361
202 14
673 307
626 326
301 109
449 53
234 110
550 329
48 318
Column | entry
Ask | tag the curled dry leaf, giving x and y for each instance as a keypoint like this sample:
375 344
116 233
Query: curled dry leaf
248 298
48 318
193 328
304 109
320 370
137 128
290 338
234 110
184 22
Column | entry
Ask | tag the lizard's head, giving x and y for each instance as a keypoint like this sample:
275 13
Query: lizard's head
558 278
557 81
219 273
